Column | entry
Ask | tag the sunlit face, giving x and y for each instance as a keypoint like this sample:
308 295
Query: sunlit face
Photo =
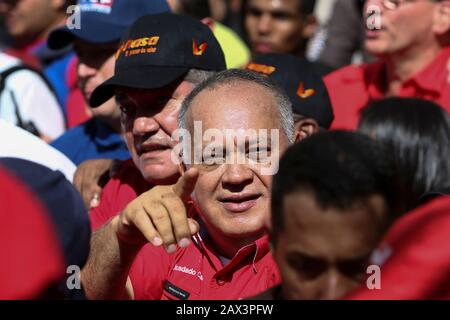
96 65
323 253
29 19
149 117
408 27
233 197
274 26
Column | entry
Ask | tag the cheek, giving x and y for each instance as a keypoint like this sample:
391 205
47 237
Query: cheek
107 69
205 188
250 24
129 139
288 31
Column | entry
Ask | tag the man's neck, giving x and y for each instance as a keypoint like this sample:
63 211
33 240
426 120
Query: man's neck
228 247
402 66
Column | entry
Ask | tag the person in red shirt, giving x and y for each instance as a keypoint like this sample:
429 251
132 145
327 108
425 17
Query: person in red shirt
213 244
32 260
332 200
414 257
412 44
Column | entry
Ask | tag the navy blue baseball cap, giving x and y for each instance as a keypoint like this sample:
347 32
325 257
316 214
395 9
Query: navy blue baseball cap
159 49
299 79
104 21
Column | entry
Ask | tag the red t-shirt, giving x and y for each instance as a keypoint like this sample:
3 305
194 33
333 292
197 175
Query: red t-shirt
195 272
414 256
351 88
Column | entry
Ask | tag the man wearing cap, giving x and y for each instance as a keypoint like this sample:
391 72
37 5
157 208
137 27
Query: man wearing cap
310 100
96 43
216 212
412 44
161 58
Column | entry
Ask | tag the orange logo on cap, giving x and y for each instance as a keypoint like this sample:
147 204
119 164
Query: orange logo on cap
302 93
198 50
261 68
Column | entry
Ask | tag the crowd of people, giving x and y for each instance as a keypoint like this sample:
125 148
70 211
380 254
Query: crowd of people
224 149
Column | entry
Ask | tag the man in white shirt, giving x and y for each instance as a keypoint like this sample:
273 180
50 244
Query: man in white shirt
18 143
27 101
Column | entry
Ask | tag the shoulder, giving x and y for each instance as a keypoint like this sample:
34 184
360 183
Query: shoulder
75 133
348 72
21 144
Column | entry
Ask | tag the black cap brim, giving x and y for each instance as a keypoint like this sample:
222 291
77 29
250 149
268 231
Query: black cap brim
136 78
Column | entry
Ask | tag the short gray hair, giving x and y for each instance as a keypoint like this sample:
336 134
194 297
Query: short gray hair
197 76
236 75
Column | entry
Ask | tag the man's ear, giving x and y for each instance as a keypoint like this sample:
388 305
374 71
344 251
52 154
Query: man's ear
309 27
209 22
305 128
442 18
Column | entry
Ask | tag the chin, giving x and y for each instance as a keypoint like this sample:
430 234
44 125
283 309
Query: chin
242 226
155 175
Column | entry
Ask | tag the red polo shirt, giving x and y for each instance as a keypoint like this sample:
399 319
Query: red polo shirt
195 272
351 88
123 188
414 256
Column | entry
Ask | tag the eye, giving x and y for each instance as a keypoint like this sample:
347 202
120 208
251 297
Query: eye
281 16
355 268
254 12
211 158
259 154
307 268
128 109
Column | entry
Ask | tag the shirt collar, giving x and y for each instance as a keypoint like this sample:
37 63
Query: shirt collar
430 79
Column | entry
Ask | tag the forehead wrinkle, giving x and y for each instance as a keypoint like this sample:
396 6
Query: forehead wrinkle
240 84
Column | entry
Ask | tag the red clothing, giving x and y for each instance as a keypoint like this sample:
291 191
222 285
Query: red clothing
351 88
414 257
194 272
123 188
30 254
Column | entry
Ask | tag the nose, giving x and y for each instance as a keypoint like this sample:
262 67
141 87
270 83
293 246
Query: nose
236 177
264 24
336 286
145 125
85 71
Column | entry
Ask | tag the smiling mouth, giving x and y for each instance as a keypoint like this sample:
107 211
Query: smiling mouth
239 203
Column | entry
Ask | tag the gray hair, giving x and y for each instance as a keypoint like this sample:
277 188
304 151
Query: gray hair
197 76
236 75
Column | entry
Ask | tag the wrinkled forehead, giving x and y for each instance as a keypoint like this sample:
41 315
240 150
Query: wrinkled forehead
239 106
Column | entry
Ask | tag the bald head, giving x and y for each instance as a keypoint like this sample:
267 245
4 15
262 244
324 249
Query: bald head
238 99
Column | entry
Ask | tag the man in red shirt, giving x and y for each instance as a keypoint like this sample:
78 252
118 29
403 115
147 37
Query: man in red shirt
221 251
413 47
